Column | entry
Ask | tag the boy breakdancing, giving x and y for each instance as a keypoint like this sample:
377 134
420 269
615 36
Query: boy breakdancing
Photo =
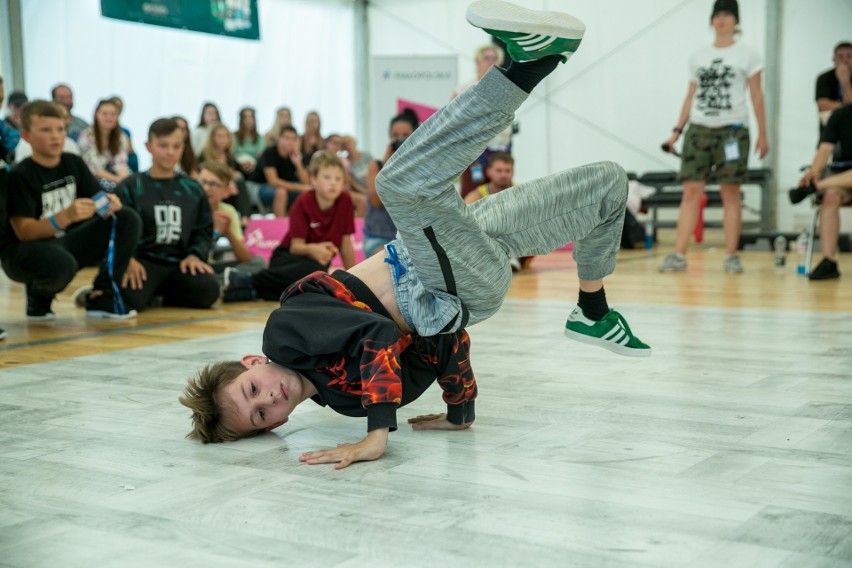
372 339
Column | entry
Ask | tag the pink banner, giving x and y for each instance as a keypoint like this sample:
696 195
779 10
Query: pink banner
422 111
262 237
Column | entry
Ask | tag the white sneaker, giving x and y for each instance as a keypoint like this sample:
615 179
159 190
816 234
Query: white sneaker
103 314
673 263
79 295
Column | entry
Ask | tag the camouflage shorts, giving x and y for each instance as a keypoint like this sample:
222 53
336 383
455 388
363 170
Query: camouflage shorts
704 152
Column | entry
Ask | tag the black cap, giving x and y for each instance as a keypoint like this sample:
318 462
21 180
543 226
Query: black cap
17 98
726 6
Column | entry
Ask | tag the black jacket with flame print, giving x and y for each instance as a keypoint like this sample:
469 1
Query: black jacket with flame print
334 331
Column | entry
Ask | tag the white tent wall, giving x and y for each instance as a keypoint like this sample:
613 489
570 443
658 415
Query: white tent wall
617 99
619 96
304 60
810 30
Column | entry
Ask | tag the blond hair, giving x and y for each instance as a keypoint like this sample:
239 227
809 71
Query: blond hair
491 47
218 169
207 152
202 396
326 160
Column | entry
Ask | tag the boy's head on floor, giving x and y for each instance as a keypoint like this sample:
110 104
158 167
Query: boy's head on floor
165 142
43 126
215 178
239 399
328 177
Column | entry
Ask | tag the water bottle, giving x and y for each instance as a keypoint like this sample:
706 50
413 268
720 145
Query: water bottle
649 235
802 250
780 244
476 173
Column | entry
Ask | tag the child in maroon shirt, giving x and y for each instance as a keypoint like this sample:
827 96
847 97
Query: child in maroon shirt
321 225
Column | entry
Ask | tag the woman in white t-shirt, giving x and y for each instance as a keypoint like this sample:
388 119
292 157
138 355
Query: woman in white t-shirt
717 140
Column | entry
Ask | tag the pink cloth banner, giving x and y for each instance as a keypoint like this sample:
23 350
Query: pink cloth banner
422 111
262 237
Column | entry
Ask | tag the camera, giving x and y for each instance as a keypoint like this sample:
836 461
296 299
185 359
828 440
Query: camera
397 143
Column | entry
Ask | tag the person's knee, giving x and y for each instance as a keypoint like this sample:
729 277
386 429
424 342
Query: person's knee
129 224
615 180
58 274
692 192
731 196
832 199
206 292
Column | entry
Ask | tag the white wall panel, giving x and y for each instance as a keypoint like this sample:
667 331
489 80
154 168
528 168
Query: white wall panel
619 97
304 60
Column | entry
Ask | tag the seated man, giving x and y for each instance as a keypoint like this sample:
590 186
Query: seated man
372 339
836 190
834 87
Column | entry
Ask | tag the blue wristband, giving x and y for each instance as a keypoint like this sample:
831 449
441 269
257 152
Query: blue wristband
56 225
216 235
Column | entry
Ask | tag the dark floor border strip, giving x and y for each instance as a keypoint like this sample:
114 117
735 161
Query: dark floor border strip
211 318
130 330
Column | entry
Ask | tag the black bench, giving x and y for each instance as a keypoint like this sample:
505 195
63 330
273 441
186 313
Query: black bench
670 191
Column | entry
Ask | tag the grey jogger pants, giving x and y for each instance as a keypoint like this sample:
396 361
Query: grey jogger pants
450 261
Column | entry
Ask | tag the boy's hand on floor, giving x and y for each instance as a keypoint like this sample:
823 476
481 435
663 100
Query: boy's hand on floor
194 265
370 448
135 275
436 422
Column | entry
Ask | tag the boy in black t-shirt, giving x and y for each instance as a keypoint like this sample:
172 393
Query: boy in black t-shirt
177 229
282 174
54 229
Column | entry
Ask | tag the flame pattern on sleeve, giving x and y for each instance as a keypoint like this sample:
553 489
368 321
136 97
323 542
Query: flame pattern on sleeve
379 380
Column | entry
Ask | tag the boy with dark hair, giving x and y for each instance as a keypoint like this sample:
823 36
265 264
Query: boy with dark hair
281 172
372 339
177 228
55 227
321 225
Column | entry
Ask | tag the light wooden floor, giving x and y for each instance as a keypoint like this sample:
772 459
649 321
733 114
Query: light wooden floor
732 445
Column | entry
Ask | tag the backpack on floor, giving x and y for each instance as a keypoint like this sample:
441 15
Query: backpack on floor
633 234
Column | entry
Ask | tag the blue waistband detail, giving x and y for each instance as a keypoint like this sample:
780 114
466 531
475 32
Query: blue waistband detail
394 260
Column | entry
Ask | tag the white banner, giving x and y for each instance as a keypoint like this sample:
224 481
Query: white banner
423 84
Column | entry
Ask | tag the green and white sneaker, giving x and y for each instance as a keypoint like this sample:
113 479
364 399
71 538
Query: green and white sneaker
528 34
612 332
